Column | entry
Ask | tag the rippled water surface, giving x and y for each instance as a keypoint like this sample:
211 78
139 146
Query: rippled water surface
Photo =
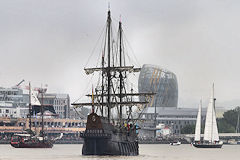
147 152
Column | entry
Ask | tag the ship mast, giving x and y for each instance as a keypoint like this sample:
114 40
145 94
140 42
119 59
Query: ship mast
120 76
109 78
109 63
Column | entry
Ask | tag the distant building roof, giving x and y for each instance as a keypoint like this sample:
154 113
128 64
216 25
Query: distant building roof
62 95
168 111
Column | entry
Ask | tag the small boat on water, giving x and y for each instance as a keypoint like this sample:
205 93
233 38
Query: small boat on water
175 143
29 139
211 138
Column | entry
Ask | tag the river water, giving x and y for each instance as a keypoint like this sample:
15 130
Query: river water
147 152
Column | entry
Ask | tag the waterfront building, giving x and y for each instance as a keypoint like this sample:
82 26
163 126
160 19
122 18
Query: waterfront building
162 130
79 113
14 103
174 118
36 122
7 110
155 79
53 127
12 96
163 107
60 102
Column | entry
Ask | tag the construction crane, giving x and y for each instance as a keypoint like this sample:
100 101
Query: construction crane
19 83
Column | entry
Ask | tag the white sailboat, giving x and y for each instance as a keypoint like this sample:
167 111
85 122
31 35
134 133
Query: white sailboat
211 138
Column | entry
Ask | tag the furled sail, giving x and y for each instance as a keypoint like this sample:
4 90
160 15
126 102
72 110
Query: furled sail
198 124
211 131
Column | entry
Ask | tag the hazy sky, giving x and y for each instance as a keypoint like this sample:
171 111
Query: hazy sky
49 42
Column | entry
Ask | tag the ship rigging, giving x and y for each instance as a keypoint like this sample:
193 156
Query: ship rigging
109 130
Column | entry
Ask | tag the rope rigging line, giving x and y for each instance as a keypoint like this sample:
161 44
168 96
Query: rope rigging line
114 77
85 89
102 49
137 62
102 31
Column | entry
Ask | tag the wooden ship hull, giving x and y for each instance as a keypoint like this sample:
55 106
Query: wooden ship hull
102 138
44 144
105 146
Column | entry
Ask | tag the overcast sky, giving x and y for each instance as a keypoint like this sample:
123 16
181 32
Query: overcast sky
50 41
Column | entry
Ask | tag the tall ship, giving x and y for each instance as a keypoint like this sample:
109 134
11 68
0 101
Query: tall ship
211 138
29 138
111 128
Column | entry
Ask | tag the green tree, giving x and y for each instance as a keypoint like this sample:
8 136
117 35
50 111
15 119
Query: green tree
188 129
224 126
228 123
230 117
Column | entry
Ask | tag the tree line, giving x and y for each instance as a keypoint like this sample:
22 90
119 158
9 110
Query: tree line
227 124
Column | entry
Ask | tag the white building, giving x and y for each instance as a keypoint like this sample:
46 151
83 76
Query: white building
162 130
8 110
13 103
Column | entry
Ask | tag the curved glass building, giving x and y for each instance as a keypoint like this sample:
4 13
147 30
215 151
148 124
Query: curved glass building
155 79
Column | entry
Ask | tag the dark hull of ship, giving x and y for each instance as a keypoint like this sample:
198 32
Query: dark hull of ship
103 138
102 146
46 144
207 145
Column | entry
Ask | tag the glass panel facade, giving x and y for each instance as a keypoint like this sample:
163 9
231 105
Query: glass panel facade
155 79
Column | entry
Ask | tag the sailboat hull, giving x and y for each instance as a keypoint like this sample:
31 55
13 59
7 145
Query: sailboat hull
207 145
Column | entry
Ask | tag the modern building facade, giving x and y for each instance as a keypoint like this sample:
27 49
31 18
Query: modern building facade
14 103
7 110
155 79
60 102
163 107
79 113
174 118
12 96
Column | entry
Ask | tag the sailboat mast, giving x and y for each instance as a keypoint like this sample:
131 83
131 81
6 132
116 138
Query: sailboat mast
30 107
121 77
109 63
213 109
211 130
42 113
